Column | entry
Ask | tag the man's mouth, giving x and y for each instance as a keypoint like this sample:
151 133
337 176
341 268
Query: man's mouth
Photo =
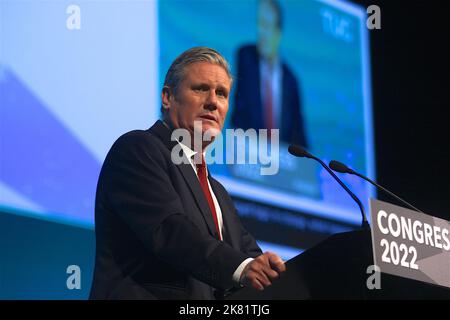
208 117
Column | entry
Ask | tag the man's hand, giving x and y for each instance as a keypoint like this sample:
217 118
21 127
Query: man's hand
262 271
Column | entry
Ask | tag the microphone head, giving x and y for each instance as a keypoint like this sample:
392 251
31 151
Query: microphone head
298 151
339 167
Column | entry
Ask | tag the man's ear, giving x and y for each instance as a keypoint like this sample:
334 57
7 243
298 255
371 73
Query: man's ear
165 97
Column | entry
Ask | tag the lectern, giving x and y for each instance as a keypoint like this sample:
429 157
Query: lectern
337 268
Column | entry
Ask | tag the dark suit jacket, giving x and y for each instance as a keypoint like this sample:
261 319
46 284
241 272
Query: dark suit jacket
154 229
248 109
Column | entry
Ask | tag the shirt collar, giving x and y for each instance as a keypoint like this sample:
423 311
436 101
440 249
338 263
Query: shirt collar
274 66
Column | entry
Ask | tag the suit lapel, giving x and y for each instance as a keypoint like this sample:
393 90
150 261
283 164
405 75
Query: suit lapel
193 183
164 134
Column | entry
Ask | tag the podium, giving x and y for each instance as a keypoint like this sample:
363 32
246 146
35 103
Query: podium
337 269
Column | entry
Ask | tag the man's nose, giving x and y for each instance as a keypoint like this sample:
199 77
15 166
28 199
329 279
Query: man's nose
211 102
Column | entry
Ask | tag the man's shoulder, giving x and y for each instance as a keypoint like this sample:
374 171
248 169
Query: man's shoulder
288 73
247 51
141 143
248 48
136 135
135 138
153 137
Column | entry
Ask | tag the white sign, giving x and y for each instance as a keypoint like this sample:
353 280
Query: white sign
410 244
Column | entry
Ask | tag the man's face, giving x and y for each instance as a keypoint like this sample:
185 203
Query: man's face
202 95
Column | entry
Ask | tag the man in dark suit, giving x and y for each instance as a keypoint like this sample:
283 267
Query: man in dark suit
167 230
268 93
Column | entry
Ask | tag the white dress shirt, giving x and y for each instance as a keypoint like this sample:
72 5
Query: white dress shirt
274 73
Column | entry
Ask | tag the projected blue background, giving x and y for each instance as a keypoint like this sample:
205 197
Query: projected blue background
68 94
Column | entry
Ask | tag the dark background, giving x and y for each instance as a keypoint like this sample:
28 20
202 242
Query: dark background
411 97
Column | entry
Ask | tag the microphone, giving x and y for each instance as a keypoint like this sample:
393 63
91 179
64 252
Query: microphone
298 151
342 168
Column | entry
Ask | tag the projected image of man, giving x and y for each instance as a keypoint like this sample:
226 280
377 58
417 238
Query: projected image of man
267 92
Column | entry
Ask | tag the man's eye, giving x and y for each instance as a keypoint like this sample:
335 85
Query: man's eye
201 88
222 93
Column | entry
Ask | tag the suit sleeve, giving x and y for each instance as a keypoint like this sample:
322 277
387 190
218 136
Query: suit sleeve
249 244
136 186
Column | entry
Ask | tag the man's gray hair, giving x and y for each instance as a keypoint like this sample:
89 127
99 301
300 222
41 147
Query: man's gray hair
177 70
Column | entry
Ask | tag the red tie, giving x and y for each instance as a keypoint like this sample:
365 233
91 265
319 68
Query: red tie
201 172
